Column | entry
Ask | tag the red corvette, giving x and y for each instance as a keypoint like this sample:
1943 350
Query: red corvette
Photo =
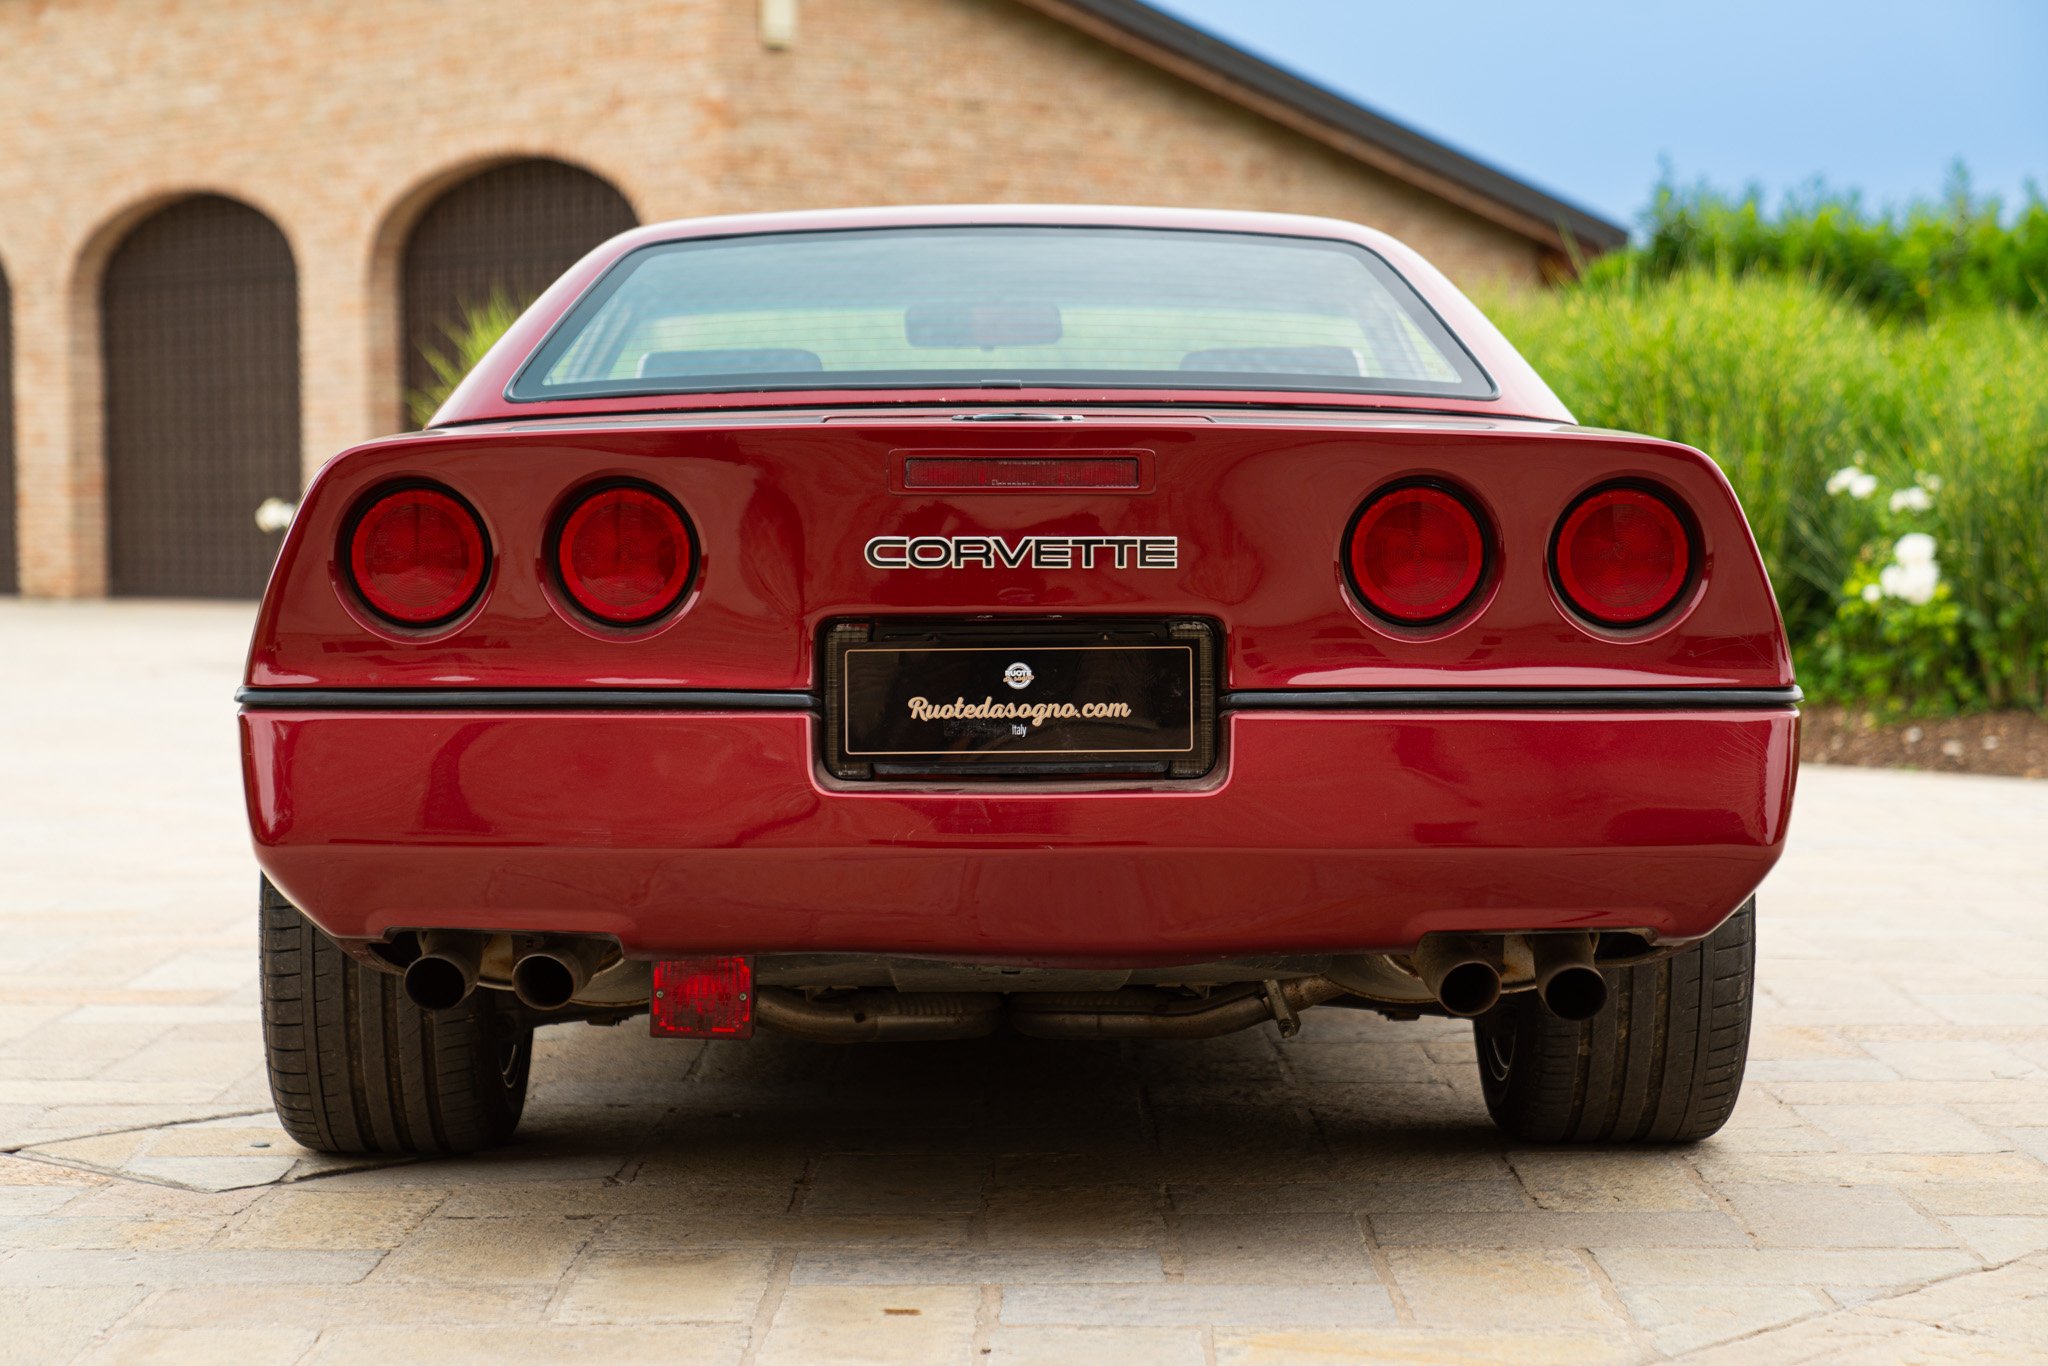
1099 623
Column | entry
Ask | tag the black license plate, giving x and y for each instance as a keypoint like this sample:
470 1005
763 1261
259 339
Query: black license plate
1005 698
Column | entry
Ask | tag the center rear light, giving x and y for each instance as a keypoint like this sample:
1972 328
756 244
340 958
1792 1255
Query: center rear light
1021 472
1417 553
1622 556
702 998
625 554
417 556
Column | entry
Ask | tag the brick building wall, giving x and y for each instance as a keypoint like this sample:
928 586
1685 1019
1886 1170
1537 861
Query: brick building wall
343 119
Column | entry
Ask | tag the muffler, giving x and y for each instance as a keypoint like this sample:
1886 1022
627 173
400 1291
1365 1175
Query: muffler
554 971
444 974
1570 986
1461 970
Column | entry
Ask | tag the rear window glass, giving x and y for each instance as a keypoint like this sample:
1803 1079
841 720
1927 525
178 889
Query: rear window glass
1000 307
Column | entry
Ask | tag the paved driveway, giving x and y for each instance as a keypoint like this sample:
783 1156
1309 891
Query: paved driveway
1881 1193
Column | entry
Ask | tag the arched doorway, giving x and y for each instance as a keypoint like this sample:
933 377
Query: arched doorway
199 337
504 233
10 573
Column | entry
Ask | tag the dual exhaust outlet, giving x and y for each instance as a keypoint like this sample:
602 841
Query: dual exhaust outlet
548 972
1464 971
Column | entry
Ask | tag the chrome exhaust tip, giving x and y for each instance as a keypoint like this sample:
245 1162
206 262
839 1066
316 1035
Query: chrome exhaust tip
1461 971
551 975
444 974
1570 987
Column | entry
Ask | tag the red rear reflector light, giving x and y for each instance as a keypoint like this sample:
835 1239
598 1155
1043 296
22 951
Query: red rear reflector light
417 556
1061 472
1417 552
625 554
702 998
1622 556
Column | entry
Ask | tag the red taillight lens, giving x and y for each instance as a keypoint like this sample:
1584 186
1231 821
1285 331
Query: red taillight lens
1622 556
702 998
417 556
1417 552
625 555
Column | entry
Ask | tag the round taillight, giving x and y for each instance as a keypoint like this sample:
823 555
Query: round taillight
1622 556
625 554
417 556
1417 553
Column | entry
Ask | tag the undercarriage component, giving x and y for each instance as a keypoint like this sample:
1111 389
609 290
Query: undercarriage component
1140 1013
879 1016
853 970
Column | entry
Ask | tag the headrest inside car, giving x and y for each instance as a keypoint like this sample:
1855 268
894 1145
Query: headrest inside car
1276 360
760 360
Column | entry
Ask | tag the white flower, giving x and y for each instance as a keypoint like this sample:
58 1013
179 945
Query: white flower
1915 547
1914 583
1931 482
1854 480
1871 592
1915 499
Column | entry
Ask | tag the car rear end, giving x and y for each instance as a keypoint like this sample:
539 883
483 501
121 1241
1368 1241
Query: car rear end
1102 715
1304 772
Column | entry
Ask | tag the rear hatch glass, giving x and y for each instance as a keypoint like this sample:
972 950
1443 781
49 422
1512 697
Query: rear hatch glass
1001 307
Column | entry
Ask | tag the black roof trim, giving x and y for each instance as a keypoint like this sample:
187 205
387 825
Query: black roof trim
1149 26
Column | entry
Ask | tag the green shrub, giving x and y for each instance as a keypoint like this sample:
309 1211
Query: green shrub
1786 384
469 336
1960 251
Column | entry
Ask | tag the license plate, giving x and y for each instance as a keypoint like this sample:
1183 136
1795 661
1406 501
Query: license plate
1066 700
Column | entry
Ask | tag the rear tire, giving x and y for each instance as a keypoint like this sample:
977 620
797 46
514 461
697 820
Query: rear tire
357 1068
1661 1064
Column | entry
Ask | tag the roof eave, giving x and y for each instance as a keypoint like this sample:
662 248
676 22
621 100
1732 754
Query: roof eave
1394 148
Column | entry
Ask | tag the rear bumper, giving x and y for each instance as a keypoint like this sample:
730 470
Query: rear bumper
1322 831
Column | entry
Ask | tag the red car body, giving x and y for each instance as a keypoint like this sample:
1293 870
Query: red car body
524 770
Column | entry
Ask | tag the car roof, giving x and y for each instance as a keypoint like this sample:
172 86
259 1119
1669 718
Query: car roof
482 396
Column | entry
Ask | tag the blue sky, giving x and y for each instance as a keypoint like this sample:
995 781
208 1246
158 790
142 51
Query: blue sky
1588 99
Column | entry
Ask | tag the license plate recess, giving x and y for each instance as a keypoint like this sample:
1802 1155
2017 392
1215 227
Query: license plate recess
1020 698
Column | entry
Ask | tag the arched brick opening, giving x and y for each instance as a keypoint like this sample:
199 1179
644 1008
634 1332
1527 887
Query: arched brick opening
508 231
199 365
10 572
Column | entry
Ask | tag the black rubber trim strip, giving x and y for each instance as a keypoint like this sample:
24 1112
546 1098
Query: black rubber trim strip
1465 699
1284 699
520 699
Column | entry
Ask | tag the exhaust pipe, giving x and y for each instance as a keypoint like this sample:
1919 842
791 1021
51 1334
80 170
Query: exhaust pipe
879 1016
555 971
1570 986
1462 971
444 974
1143 1013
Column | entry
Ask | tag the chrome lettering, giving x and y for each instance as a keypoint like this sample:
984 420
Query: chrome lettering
1025 552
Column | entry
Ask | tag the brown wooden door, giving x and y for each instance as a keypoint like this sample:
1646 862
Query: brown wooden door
200 346
508 231
10 572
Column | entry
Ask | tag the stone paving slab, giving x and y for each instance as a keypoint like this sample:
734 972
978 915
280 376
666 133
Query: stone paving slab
228 1153
1881 1194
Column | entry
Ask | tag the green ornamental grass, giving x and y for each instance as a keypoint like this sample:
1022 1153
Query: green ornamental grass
1845 432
